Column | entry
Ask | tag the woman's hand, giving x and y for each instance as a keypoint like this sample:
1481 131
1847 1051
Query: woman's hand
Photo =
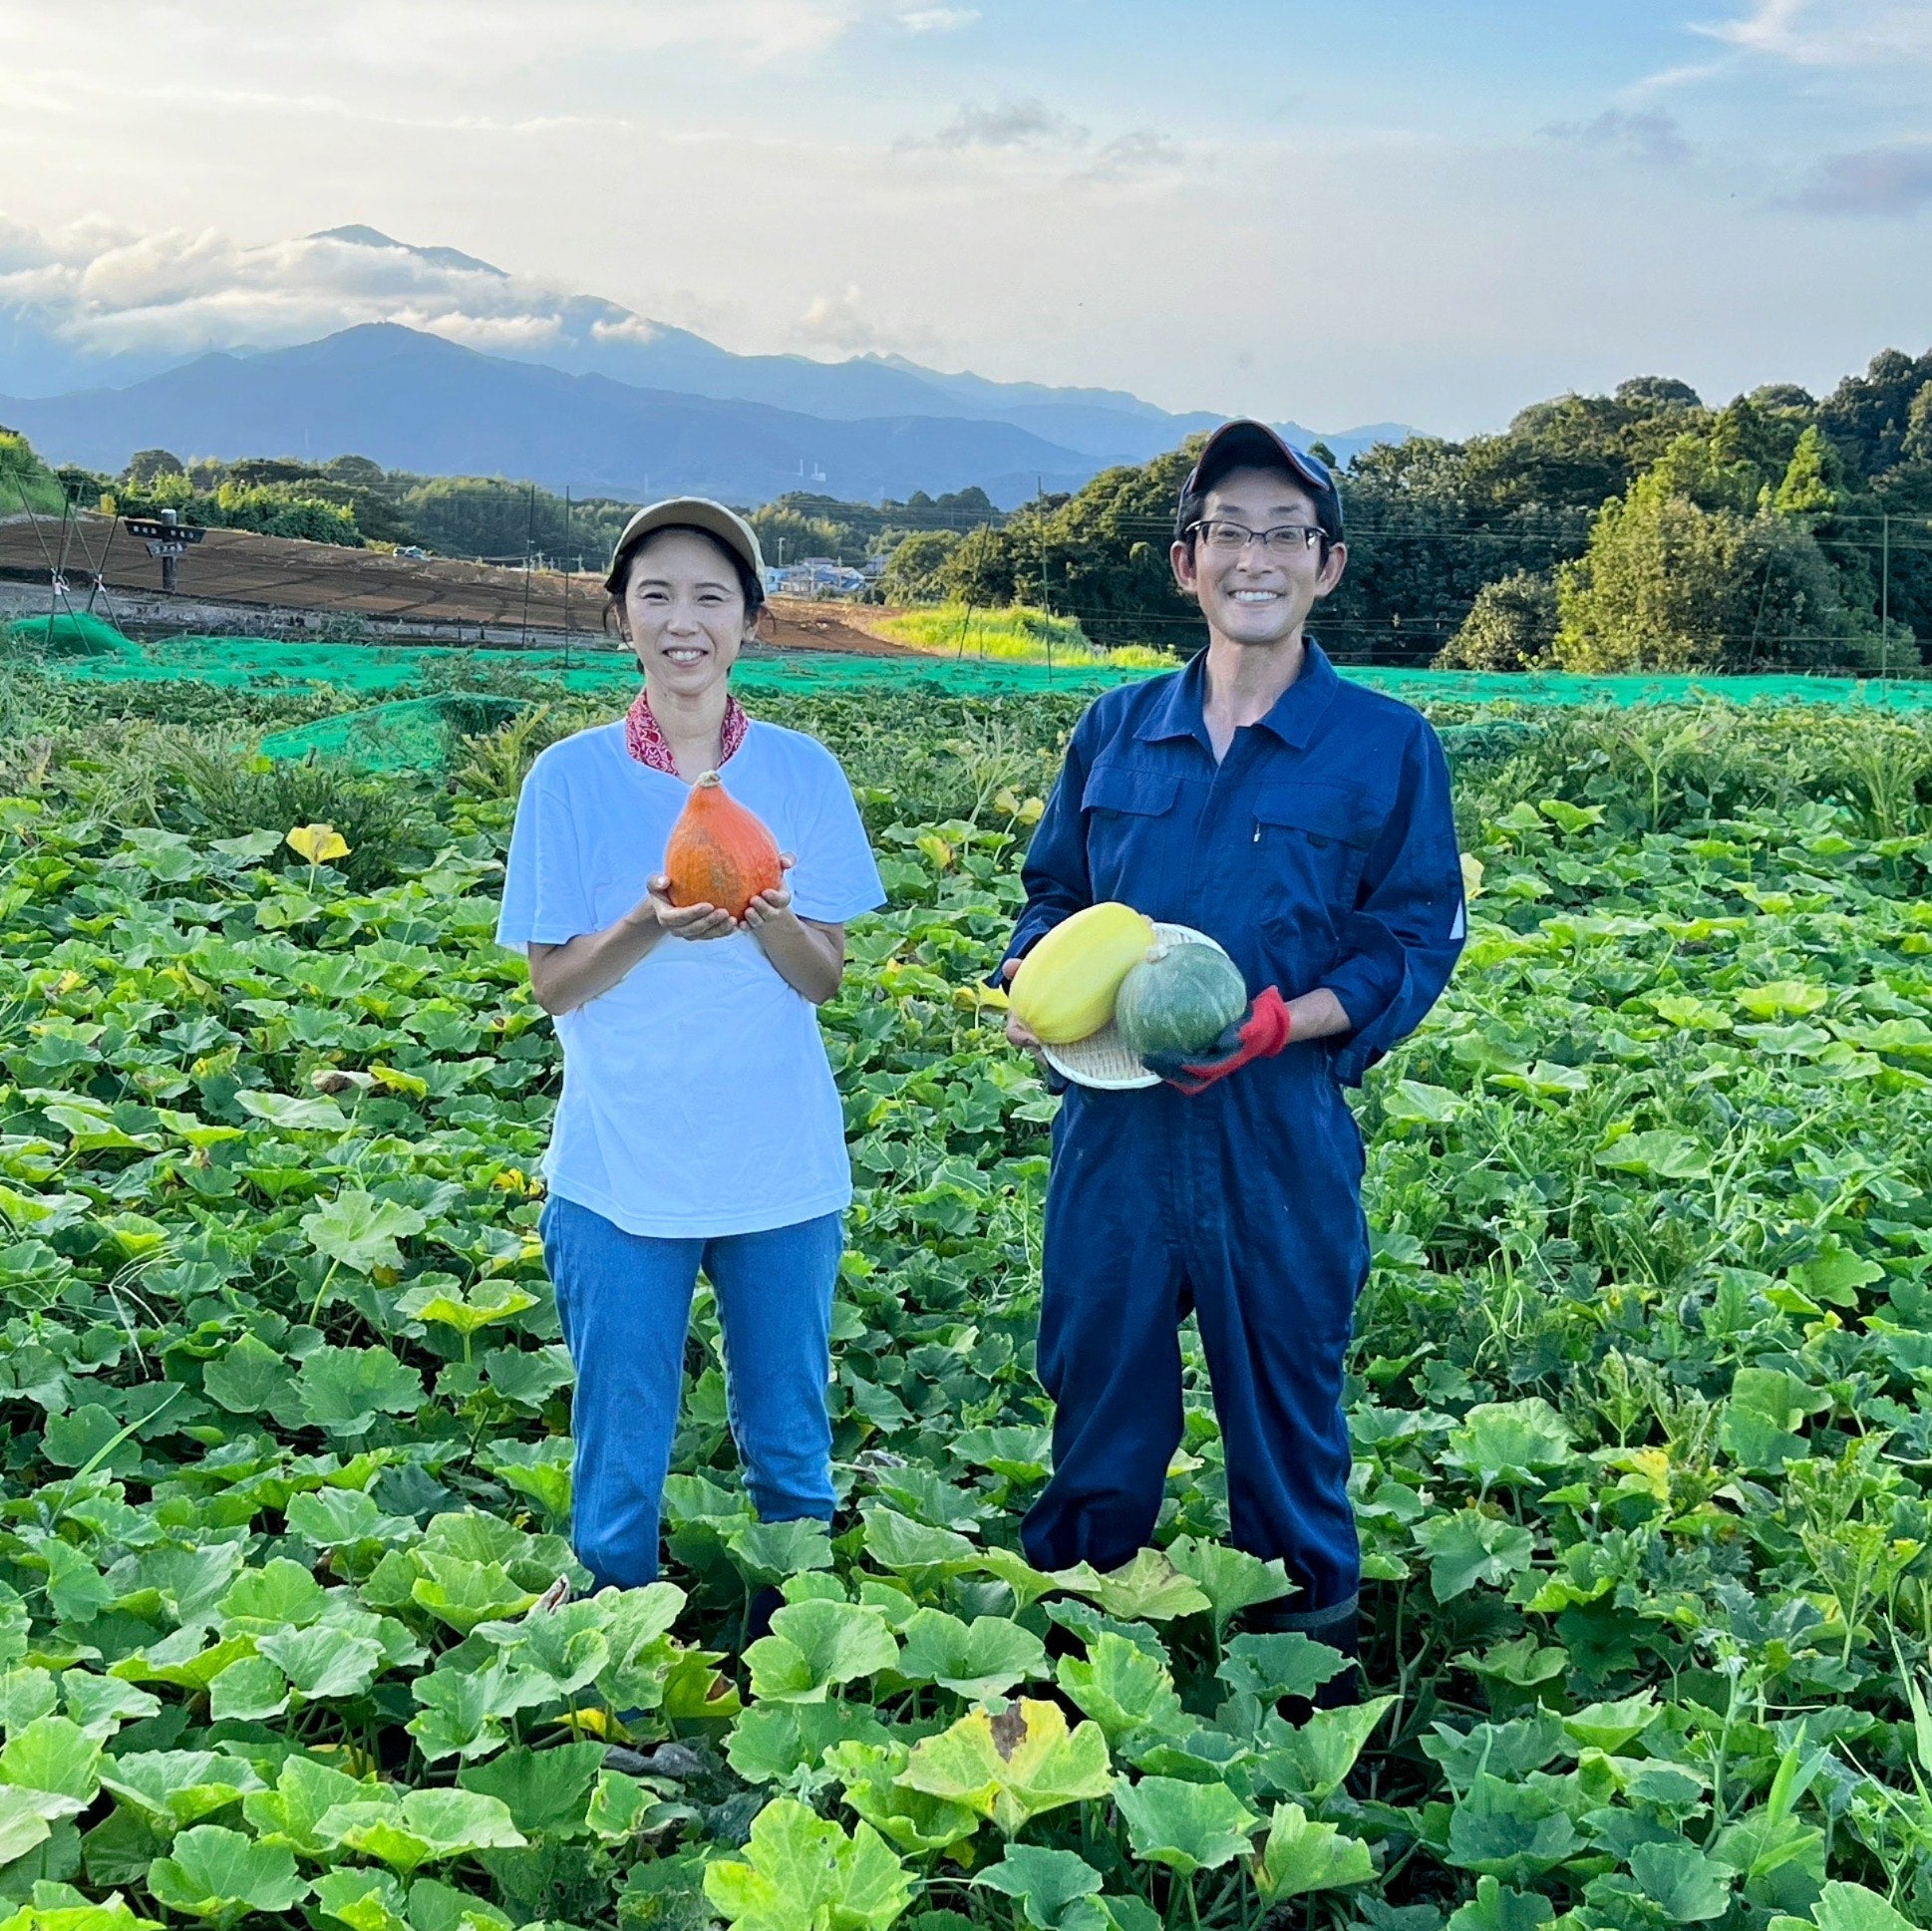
686 921
807 956
771 907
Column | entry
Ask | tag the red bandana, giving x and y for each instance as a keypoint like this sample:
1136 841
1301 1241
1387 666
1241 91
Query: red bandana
648 745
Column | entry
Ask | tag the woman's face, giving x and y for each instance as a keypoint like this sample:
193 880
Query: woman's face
683 612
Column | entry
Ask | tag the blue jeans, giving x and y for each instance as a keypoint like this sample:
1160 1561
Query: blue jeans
625 1303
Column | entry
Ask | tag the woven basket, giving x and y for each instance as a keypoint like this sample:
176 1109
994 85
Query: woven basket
1100 1059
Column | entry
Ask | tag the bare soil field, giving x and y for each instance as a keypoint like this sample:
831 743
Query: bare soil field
232 566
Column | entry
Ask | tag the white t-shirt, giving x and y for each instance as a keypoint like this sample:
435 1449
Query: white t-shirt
697 1096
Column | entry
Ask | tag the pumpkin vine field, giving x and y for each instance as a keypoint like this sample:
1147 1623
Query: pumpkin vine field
290 1632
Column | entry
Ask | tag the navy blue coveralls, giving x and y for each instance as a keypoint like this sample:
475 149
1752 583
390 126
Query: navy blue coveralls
1320 851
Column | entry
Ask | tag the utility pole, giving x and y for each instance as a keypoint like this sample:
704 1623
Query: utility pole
569 567
529 538
1885 595
1040 510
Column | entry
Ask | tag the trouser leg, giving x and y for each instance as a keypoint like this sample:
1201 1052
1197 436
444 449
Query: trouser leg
1109 1357
624 1302
773 1292
1275 1271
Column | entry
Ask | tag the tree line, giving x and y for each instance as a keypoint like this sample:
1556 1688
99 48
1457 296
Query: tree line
1639 530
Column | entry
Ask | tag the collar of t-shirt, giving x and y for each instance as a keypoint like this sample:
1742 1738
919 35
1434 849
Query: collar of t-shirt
649 745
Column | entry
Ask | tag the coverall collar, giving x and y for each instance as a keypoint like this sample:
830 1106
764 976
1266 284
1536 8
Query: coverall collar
1292 719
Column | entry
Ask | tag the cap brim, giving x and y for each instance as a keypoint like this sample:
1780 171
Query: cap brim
688 512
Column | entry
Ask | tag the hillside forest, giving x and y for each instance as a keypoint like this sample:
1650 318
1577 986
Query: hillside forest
1644 529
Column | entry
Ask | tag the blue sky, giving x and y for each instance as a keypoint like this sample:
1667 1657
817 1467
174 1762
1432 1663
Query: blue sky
1425 210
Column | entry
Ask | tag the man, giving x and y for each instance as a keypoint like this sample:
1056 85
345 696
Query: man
1305 823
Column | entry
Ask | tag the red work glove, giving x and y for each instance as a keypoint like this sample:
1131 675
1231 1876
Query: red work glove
1260 1034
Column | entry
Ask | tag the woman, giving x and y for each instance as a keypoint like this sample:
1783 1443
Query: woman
699 1125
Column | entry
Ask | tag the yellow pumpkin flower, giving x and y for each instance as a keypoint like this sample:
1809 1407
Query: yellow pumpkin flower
318 843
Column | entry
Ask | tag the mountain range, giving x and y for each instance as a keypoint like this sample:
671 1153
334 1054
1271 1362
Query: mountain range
597 398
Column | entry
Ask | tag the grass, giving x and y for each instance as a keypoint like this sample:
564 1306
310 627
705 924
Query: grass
1018 635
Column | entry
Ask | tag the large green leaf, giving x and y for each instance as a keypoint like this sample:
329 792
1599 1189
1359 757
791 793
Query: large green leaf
221 1876
909 1818
1187 1827
1851 1907
56 1763
1286 1662
1494 1908
26 1696
1012 1763
344 1389
360 1231
1511 1442
1123 1688
1302 1856
463 1593
323 1661
178 1786
22 1826
985 1658
1468 1547
1147 1590
1510 1831
802 1873
1313 1760
421 1826
364 1900
546 1792
1230 1579
815 1647
1043 1883
291 1812
248 1377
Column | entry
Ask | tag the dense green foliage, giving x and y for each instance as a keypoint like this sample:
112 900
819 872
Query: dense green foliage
1636 1392
27 486
1749 538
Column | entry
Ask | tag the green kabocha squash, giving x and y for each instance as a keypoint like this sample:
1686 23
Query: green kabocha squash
1178 999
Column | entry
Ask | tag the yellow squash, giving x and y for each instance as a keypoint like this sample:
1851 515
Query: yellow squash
1065 988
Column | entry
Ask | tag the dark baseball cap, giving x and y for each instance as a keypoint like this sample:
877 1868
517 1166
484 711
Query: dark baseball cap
1245 443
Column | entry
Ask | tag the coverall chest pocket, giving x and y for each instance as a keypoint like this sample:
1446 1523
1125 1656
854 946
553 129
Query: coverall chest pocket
1130 828
1311 842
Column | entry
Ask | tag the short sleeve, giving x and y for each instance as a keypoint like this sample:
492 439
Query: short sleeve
835 879
544 901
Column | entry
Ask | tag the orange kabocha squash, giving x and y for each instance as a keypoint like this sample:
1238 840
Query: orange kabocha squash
719 853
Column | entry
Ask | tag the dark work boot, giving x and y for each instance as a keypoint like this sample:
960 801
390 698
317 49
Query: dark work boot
759 1613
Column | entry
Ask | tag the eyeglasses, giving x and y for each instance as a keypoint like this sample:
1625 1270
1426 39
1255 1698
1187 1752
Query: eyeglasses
1284 539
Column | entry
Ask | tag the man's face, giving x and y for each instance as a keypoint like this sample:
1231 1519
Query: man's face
1254 596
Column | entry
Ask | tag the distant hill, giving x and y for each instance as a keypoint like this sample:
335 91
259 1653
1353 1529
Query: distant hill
1067 432
415 402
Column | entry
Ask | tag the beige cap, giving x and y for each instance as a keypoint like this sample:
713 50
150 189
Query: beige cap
693 513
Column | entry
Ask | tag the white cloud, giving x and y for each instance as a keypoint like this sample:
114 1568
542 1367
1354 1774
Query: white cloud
105 290
1646 135
1140 152
839 322
1895 180
1831 32
937 20
1010 124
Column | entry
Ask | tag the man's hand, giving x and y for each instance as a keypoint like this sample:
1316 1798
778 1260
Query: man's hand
1017 1034
686 921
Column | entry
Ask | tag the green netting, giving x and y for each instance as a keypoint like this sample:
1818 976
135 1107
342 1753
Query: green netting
411 734
416 733
68 633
